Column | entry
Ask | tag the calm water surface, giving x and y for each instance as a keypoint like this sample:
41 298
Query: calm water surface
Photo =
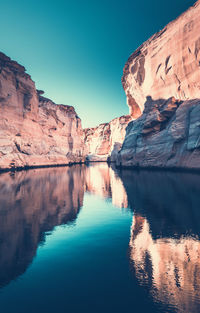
94 239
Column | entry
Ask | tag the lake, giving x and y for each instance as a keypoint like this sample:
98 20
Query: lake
90 238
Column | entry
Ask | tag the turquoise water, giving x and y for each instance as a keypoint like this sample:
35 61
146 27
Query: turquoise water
93 239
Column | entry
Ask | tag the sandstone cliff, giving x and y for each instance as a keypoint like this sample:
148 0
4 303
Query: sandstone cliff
105 140
161 81
34 131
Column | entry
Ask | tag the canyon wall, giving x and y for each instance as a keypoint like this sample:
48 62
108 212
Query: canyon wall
34 131
161 80
104 141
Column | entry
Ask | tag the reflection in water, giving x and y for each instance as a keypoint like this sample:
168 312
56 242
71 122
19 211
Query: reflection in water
31 203
169 267
164 247
164 243
35 201
102 180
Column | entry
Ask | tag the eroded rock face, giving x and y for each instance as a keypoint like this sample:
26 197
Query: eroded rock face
161 80
34 130
166 65
166 135
106 139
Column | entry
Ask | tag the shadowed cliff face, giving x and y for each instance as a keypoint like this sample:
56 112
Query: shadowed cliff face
166 135
165 235
33 129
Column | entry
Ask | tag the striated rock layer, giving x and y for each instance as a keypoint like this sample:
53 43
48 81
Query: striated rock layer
166 135
34 131
105 140
161 80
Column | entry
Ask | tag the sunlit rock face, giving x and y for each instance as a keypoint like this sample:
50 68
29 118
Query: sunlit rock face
106 139
161 81
166 65
34 130
170 267
32 203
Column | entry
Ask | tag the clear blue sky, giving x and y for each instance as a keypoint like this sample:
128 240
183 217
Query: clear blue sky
76 50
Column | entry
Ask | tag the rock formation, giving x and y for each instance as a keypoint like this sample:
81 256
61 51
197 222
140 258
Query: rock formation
166 65
161 81
166 135
105 140
34 131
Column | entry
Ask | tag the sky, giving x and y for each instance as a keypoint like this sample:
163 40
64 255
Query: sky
76 50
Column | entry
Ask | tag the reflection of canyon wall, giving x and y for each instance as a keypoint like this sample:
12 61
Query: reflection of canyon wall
164 244
31 203
170 267
34 130
106 139
35 201
103 181
169 201
161 81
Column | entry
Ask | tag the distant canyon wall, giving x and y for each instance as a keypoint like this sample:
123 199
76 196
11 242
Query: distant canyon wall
162 83
34 131
104 141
